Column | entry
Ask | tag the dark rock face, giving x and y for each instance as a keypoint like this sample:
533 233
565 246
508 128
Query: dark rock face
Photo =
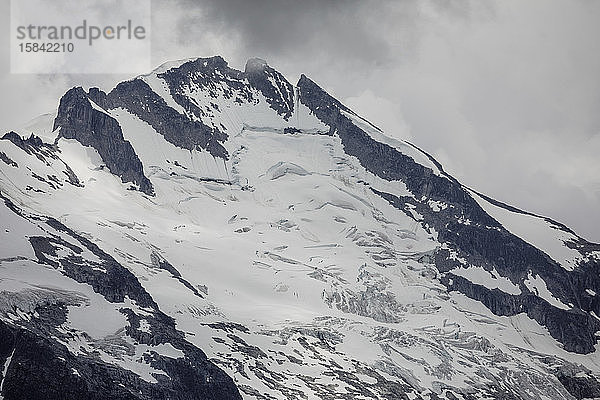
109 278
78 120
584 387
42 368
276 89
29 145
138 98
204 74
482 241
7 160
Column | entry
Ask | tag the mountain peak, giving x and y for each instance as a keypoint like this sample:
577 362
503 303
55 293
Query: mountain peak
255 64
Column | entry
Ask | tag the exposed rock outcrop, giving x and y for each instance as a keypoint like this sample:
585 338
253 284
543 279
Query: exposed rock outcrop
90 126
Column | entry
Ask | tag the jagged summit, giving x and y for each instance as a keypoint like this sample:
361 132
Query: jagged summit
214 60
239 236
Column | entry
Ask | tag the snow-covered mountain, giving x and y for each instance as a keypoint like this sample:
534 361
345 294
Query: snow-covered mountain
201 232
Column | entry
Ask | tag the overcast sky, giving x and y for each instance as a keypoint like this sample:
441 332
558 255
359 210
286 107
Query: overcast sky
506 94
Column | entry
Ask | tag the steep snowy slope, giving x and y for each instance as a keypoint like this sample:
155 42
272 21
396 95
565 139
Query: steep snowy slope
203 210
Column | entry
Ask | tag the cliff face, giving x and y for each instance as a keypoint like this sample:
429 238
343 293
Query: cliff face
78 119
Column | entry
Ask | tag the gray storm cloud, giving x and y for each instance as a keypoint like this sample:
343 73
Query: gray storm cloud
505 94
